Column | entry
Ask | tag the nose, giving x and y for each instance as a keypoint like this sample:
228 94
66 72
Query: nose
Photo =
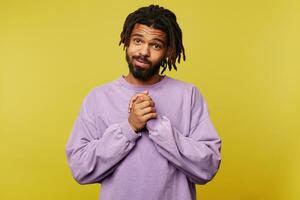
144 51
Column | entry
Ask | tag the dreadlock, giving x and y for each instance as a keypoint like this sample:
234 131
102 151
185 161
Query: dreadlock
159 18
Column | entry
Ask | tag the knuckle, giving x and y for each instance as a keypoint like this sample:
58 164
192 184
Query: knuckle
135 108
148 109
138 113
148 103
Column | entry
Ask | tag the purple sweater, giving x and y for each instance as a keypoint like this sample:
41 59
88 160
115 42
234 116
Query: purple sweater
164 161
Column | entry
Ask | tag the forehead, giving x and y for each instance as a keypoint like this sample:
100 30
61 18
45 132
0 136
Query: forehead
148 32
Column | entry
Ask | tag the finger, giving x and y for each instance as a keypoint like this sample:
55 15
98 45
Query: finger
144 96
130 107
144 104
138 100
136 96
149 116
146 92
146 111
132 100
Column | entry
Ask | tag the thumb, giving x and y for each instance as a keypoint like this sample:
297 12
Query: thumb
139 99
146 92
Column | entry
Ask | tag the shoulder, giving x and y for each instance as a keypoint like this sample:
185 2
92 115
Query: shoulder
183 86
101 91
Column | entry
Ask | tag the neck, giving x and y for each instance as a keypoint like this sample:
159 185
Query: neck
154 79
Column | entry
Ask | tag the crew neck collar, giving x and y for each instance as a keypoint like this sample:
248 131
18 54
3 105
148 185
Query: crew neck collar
131 86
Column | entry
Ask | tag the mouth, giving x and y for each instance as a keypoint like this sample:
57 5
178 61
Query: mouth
141 63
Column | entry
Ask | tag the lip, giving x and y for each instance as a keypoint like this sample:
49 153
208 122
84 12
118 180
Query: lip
141 63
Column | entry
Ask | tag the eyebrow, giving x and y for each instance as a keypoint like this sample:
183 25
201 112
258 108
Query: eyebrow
157 39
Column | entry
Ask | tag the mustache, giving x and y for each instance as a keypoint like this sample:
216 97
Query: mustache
142 58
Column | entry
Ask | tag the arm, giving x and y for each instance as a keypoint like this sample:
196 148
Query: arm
93 149
198 154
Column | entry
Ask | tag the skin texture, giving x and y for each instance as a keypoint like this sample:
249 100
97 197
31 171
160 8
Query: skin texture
147 48
143 109
134 98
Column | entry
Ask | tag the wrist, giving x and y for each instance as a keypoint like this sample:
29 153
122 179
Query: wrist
133 128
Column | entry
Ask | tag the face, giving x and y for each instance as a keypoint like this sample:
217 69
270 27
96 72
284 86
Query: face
147 48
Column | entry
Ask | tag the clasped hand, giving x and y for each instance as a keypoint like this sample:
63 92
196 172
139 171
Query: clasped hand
141 109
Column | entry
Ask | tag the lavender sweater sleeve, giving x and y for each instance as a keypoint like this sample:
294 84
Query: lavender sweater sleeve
197 153
94 149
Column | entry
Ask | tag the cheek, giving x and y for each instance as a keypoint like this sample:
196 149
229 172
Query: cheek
132 49
129 53
157 56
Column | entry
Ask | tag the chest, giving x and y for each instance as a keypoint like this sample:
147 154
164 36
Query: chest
177 109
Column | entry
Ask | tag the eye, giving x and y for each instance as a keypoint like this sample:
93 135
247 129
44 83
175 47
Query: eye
137 41
156 46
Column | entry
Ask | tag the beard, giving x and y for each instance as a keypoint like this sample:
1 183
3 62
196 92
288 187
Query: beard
142 73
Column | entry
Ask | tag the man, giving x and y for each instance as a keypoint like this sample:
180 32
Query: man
145 136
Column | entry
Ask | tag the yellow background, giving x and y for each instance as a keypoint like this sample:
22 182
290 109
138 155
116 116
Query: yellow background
242 55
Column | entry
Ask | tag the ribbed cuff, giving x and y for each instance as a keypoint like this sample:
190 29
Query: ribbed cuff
153 124
129 133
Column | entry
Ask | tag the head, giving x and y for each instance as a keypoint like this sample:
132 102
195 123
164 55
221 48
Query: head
152 39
